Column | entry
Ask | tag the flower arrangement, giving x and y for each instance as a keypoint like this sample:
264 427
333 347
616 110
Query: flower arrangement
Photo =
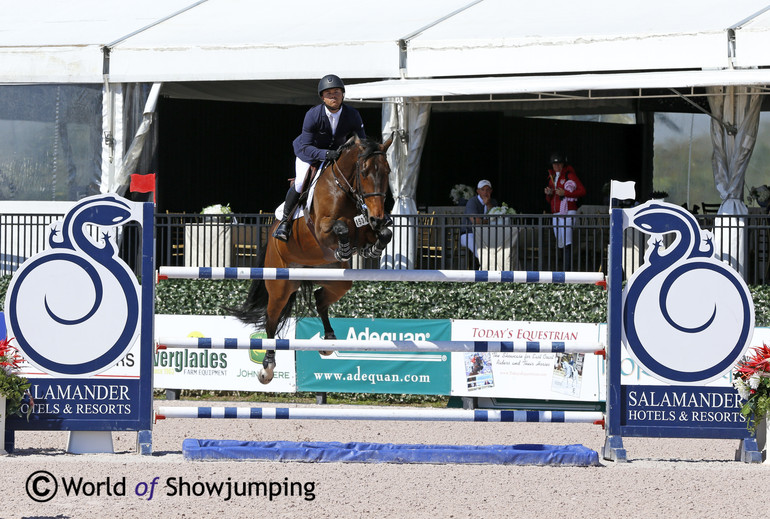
502 209
217 209
461 192
12 385
760 195
752 380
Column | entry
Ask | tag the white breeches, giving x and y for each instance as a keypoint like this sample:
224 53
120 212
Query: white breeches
562 229
300 169
467 241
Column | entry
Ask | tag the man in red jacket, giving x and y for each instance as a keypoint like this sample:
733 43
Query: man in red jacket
561 193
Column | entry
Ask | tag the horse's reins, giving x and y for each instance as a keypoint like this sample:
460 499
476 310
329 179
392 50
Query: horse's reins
355 193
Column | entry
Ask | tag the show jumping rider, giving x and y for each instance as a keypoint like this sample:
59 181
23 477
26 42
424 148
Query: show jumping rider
325 128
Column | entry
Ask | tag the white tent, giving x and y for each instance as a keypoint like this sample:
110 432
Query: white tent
239 40
399 50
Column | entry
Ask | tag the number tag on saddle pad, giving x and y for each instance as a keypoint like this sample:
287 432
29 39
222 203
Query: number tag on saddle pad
360 220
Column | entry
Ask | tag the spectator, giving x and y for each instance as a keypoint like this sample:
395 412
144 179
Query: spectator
477 205
562 192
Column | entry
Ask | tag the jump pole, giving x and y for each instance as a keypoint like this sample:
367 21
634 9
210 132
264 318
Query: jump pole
391 346
323 274
381 414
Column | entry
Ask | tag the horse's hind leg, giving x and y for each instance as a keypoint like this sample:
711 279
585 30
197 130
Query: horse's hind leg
279 291
329 293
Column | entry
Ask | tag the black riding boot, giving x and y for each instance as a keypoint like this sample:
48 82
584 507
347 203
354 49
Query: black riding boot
284 228
567 258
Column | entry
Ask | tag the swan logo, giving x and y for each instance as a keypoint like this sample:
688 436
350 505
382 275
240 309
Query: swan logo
74 307
687 317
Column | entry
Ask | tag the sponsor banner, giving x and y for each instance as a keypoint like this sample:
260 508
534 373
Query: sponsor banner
214 369
375 372
80 403
545 376
632 373
682 406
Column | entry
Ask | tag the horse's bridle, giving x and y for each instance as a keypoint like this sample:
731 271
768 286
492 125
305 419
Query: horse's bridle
356 193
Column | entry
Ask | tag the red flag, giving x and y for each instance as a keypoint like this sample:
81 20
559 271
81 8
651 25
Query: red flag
143 184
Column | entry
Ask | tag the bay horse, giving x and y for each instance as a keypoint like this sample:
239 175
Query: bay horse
346 216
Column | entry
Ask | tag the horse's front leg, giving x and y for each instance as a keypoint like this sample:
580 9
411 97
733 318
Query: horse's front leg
344 251
329 293
375 251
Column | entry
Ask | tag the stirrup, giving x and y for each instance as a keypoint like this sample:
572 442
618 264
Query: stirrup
283 231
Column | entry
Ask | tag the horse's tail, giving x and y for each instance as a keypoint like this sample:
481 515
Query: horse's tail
254 309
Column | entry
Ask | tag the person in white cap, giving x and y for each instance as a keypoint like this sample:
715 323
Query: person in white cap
477 205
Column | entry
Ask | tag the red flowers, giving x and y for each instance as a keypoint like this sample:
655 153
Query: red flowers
751 378
9 356
756 363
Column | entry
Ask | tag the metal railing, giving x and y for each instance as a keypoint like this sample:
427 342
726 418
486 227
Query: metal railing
421 241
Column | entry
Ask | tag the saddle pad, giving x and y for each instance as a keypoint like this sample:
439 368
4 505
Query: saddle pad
300 211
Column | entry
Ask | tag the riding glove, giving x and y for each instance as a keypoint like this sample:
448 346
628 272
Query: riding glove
332 155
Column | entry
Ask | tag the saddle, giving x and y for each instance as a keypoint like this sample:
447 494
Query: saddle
305 196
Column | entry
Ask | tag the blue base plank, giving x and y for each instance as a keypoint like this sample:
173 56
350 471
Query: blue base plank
357 452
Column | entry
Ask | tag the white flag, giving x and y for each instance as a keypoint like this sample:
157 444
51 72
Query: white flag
623 190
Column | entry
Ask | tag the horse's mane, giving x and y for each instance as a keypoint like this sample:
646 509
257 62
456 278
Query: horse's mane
369 147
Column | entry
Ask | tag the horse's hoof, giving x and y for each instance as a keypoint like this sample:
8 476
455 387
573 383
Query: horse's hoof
265 375
328 336
342 256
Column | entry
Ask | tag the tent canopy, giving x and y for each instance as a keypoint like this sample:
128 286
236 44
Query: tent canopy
554 45
558 36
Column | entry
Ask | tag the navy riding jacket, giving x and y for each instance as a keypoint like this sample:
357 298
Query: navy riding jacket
316 136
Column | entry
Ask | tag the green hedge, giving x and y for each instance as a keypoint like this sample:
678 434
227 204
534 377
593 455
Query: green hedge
397 300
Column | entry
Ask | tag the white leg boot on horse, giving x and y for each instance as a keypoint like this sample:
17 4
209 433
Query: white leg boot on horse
289 206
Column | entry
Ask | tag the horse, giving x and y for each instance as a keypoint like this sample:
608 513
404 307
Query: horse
346 216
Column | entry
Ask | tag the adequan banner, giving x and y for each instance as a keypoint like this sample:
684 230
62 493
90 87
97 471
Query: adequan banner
375 372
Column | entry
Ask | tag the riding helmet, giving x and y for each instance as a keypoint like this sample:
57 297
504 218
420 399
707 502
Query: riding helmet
558 157
330 81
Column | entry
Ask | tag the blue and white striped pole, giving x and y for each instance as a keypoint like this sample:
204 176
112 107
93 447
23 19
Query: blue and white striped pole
385 413
227 343
321 274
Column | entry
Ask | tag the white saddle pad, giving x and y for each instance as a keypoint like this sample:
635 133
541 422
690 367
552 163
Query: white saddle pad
300 211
